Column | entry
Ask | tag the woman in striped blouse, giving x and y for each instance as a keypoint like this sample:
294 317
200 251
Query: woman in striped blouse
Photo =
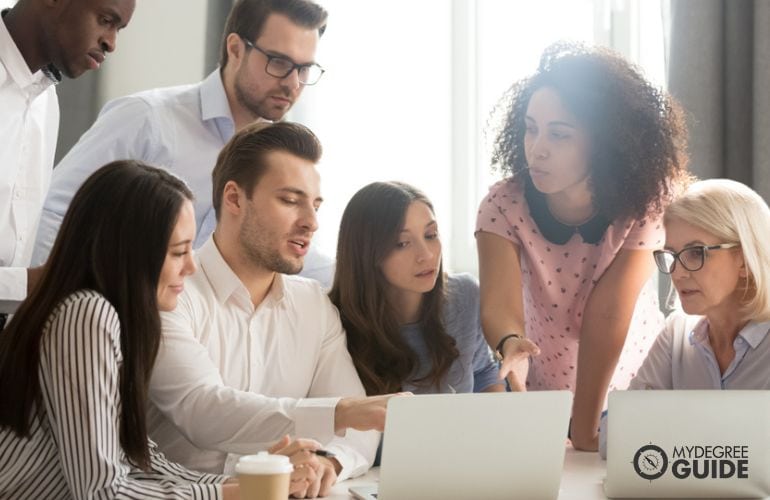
75 360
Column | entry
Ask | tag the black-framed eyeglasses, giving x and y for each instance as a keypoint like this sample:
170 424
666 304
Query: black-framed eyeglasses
691 258
281 67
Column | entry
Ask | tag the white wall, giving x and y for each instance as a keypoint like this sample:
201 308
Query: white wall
162 45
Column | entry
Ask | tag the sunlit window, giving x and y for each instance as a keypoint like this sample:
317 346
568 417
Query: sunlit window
383 109
410 86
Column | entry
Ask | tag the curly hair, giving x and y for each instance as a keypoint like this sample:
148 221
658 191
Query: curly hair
638 133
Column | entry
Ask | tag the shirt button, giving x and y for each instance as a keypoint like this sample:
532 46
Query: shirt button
17 194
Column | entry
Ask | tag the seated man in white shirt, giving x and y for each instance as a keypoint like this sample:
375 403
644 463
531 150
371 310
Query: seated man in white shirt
252 352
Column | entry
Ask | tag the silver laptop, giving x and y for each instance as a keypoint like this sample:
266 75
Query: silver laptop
463 446
693 444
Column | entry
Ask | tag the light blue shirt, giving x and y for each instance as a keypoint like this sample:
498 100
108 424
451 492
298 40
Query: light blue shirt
179 128
682 358
475 369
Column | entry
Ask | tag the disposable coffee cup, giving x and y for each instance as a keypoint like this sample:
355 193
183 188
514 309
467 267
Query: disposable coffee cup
264 476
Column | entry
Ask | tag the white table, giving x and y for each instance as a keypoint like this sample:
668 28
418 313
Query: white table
581 479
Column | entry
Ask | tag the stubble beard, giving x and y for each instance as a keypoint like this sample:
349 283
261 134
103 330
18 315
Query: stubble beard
257 246
258 109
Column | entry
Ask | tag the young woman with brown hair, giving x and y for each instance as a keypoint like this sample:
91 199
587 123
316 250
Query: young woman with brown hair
409 326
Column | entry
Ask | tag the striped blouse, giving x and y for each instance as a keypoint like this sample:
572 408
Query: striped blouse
73 450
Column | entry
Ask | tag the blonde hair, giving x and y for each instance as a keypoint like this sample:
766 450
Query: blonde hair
735 213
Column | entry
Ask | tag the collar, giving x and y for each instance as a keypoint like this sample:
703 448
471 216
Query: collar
223 279
753 333
555 231
214 102
215 106
14 63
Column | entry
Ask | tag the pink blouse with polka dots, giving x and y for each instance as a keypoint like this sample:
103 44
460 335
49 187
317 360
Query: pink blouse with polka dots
557 281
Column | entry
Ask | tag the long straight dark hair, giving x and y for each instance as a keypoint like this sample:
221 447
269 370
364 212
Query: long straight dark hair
113 240
369 231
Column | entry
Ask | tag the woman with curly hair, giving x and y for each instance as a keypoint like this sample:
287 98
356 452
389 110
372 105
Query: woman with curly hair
593 153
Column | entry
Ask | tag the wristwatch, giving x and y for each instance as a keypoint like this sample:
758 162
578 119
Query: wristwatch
499 348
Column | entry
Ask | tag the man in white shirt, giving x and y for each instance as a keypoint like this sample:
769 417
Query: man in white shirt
268 56
40 40
252 352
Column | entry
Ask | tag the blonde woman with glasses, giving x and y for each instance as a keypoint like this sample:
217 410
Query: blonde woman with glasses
717 252
718 255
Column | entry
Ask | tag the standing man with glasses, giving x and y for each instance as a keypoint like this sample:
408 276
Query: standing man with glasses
39 41
267 59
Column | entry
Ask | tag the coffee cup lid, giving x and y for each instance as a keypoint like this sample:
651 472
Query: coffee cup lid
263 463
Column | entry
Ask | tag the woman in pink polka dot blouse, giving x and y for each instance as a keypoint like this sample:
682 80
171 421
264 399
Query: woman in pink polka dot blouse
593 153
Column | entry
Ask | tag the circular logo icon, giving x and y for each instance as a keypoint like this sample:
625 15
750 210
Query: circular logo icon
650 462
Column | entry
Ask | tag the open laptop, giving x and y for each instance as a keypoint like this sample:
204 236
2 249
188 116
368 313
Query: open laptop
693 444
463 446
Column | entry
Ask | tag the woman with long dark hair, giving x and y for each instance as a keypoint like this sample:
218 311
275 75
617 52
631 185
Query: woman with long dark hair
409 326
593 153
76 359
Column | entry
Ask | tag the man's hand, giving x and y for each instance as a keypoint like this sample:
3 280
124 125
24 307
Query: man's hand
306 464
326 477
362 414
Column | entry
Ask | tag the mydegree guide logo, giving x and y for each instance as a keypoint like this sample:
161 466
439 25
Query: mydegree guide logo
693 461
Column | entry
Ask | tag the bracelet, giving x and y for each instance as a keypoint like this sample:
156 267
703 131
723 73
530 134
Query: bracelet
499 348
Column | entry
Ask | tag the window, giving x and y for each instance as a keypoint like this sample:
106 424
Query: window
410 86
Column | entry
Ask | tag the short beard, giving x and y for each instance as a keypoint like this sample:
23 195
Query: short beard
269 259
256 247
257 109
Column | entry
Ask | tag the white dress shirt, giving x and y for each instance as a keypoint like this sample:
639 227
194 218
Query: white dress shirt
181 129
232 378
29 123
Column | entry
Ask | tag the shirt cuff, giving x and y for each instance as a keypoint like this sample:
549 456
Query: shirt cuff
356 453
347 464
13 283
314 418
